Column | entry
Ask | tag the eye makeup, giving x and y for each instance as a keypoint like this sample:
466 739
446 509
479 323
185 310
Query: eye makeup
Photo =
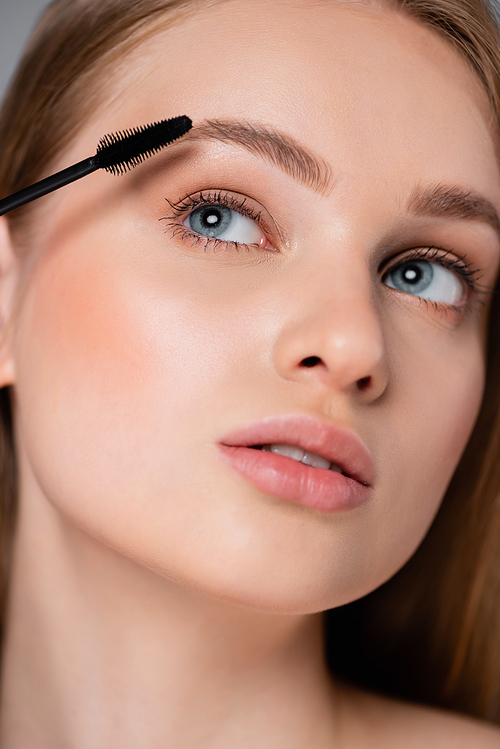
240 204
447 260
464 272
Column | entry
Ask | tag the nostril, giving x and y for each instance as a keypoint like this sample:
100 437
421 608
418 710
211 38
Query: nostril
310 361
363 383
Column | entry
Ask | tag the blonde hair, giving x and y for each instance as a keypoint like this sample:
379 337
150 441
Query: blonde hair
432 633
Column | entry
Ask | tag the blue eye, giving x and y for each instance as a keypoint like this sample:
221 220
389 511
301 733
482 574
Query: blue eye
426 280
220 222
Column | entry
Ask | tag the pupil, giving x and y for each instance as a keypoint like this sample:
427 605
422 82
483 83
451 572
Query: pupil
212 218
412 274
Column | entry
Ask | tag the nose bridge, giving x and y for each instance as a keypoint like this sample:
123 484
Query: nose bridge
335 326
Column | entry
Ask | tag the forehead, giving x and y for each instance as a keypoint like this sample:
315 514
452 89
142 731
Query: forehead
363 85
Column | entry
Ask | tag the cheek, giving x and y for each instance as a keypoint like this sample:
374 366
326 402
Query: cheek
100 334
459 402
94 372
119 369
436 400
77 337
450 393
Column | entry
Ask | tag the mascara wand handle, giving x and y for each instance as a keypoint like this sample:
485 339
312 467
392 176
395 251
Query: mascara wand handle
49 184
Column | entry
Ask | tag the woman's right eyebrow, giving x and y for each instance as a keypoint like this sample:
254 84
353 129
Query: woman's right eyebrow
280 149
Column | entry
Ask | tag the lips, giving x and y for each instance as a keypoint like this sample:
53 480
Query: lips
337 444
288 479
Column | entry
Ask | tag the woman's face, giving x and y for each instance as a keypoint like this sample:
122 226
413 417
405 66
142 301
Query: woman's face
226 283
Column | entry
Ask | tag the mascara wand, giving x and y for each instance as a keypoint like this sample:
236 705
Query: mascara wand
117 153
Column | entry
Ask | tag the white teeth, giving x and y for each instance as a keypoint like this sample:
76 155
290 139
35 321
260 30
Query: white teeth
303 456
297 453
311 459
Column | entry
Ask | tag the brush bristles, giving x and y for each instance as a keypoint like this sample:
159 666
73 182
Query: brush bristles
119 152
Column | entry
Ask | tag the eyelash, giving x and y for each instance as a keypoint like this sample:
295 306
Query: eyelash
470 276
186 205
456 263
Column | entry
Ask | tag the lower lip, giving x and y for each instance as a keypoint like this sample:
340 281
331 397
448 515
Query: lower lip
292 481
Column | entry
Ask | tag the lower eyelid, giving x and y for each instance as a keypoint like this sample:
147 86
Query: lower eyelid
184 233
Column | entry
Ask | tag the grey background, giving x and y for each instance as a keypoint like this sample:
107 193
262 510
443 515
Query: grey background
17 18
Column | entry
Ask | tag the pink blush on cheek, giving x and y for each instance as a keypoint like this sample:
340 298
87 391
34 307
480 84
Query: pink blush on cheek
88 382
83 364
80 330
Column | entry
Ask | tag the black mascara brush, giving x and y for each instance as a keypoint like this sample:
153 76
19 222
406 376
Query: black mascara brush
116 153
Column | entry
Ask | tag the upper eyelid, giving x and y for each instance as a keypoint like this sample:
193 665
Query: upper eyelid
423 251
190 202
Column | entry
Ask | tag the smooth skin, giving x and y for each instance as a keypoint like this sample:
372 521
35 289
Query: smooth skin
158 599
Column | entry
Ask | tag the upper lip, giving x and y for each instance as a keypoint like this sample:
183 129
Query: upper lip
338 444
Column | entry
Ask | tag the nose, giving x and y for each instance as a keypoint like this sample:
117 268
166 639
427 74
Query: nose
332 335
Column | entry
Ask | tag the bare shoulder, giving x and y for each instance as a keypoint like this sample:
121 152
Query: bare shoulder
384 723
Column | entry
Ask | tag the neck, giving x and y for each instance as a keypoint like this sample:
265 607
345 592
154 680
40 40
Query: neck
102 652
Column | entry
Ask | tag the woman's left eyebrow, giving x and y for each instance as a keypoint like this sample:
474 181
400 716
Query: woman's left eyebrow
280 149
452 201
